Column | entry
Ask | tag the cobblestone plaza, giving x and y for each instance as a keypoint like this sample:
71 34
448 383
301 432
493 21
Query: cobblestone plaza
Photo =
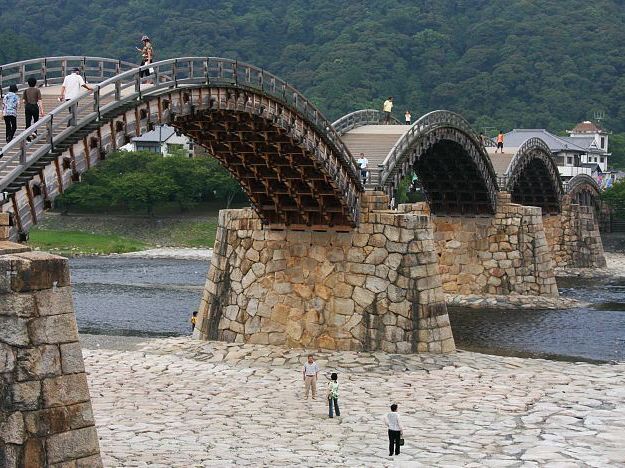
179 402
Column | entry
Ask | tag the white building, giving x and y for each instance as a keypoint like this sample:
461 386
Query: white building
585 151
589 135
162 139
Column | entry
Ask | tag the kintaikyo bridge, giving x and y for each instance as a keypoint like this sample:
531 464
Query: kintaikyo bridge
319 260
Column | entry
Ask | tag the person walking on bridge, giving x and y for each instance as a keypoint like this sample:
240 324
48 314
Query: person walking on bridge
388 109
10 104
147 55
363 162
72 87
33 104
407 117
499 142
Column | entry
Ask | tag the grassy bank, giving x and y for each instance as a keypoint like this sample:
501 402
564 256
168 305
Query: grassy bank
105 233
85 243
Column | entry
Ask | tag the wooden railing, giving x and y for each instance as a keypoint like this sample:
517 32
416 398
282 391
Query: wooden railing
360 118
51 71
166 75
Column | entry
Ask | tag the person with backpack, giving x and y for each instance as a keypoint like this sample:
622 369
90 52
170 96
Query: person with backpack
10 104
333 395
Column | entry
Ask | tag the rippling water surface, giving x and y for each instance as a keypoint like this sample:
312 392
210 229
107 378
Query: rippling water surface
133 296
589 333
148 297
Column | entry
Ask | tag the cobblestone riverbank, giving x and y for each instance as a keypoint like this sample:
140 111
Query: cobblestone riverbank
184 403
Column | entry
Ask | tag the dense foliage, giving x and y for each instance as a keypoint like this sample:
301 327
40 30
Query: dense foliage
142 181
500 63
615 197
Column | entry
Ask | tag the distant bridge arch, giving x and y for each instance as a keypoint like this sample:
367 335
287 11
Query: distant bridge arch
288 158
583 190
533 179
451 163
360 118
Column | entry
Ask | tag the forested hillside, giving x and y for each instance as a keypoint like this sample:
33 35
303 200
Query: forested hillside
501 63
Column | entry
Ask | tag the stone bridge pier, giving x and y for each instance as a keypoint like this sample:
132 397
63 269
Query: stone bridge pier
377 287
499 254
573 236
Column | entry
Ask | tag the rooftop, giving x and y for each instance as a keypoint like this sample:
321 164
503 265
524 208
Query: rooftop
587 127
518 136
160 133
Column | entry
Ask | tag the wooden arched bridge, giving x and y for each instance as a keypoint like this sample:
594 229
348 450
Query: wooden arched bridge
297 168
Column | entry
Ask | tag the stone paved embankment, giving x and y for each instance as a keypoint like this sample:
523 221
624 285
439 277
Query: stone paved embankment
183 403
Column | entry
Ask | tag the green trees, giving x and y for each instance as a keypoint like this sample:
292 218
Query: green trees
615 197
499 63
140 182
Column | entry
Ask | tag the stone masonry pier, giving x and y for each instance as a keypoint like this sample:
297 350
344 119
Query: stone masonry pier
501 254
45 409
573 237
377 287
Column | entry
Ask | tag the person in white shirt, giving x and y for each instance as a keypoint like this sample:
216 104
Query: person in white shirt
407 117
388 108
363 162
72 87
311 370
395 430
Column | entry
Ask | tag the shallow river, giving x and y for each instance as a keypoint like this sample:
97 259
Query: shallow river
148 297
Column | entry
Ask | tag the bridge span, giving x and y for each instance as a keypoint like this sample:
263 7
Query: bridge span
319 260
297 169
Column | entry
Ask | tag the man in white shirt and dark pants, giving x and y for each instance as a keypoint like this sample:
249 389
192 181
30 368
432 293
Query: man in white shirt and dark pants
72 87
363 162
311 370
395 430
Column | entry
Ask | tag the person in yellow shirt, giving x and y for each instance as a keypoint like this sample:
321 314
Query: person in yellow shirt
388 108
193 320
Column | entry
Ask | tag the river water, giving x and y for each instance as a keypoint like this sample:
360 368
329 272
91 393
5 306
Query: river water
154 297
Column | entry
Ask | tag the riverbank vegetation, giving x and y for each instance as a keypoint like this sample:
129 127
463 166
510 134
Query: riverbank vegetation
70 243
140 182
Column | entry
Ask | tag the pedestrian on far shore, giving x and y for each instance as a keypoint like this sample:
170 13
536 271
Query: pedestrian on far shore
333 395
10 104
311 371
193 320
395 430
407 117
388 109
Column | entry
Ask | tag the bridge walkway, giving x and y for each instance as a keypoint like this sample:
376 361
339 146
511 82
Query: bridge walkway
375 141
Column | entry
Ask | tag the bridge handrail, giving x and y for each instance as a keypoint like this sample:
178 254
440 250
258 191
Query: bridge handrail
425 124
52 70
360 118
166 74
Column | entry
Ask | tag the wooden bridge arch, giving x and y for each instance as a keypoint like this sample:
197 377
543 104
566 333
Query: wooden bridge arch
288 158
532 178
583 190
453 166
